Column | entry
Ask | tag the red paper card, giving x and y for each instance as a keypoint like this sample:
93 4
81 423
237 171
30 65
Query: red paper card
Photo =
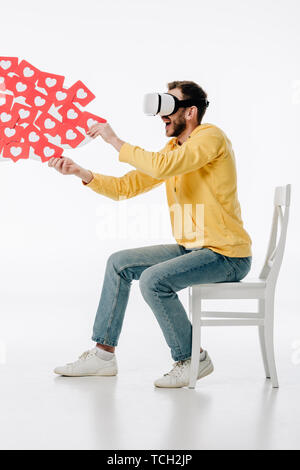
71 114
19 86
8 119
87 120
16 151
45 150
5 102
26 115
28 71
62 97
71 136
8 64
11 134
50 82
39 101
48 124
81 94
33 135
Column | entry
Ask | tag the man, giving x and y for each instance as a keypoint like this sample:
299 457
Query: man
198 168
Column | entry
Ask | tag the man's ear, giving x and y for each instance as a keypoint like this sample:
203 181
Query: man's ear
191 112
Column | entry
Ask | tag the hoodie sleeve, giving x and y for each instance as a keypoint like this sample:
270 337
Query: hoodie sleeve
196 152
131 184
124 187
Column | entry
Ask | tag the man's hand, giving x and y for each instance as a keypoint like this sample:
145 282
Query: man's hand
108 135
103 129
66 166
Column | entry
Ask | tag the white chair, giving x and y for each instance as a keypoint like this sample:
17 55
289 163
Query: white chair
262 288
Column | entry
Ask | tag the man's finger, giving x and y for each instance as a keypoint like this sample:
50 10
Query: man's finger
93 128
51 161
64 165
58 162
93 134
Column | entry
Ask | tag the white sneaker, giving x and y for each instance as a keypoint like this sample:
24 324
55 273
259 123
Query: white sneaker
89 364
179 376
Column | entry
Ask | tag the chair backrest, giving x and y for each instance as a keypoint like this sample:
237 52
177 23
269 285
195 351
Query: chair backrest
275 250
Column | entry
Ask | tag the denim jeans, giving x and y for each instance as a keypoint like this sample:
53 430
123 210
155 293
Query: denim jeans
162 271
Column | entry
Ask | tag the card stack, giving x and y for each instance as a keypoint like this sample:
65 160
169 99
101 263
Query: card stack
37 109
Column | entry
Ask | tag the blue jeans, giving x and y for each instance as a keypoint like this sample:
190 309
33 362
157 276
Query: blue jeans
162 271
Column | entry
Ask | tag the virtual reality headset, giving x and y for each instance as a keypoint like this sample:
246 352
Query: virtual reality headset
166 104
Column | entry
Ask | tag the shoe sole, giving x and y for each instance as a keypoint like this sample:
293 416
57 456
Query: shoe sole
209 370
109 374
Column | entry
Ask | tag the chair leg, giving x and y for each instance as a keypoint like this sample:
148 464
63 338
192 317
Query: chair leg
196 342
269 341
261 332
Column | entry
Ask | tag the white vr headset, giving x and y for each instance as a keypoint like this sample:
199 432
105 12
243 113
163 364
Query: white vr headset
166 104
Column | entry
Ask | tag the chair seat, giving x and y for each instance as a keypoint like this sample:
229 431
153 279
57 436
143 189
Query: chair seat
248 288
249 281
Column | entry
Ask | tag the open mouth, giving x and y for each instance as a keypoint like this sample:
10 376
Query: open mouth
168 124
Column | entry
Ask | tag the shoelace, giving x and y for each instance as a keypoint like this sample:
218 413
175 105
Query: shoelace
83 357
178 368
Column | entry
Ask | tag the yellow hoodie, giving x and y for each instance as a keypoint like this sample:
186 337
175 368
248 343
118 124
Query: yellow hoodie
201 187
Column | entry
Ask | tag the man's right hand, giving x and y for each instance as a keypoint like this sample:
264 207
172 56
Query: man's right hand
66 166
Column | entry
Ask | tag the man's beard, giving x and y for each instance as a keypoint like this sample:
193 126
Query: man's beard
179 126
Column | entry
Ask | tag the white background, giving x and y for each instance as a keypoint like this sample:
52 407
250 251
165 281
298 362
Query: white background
53 253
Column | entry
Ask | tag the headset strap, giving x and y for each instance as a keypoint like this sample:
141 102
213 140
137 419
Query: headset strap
190 102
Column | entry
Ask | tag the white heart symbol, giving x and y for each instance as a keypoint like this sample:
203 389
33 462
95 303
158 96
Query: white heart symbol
21 86
49 124
23 113
2 101
81 93
70 135
60 95
71 114
5 64
48 152
33 137
9 132
91 122
39 101
27 72
50 82
15 151
5 117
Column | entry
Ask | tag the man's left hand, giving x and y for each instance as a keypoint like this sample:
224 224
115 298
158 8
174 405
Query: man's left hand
106 132
103 129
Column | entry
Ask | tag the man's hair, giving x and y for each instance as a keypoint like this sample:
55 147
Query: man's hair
190 90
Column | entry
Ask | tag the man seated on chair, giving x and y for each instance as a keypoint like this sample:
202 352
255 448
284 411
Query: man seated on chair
197 166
